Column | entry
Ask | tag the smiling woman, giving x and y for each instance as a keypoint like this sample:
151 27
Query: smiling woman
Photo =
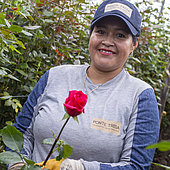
110 45
121 115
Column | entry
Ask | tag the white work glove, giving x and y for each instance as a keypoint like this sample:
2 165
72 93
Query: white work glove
70 164
16 166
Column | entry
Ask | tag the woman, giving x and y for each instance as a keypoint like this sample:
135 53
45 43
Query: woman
121 116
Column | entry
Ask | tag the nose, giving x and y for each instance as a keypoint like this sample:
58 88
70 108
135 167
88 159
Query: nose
108 41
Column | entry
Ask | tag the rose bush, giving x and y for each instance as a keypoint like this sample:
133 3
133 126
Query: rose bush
75 103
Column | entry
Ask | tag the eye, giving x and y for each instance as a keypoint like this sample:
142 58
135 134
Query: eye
120 35
100 31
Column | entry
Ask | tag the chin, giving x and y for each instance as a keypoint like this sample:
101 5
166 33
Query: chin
105 69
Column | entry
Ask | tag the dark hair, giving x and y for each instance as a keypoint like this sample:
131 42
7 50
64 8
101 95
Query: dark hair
134 38
91 30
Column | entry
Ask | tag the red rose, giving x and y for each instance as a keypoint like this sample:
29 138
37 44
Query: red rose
75 103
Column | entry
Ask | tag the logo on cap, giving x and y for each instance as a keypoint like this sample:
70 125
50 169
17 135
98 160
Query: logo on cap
120 7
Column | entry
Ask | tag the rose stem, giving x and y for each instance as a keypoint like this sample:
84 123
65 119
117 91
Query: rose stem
56 140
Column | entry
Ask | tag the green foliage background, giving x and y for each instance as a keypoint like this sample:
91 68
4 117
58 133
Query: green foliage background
37 35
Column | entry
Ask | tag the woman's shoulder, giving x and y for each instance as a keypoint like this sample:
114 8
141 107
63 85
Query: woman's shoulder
137 83
64 73
67 68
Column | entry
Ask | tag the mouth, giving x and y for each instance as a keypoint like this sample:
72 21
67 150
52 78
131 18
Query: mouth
106 52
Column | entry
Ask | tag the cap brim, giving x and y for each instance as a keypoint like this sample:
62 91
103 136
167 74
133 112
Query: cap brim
130 26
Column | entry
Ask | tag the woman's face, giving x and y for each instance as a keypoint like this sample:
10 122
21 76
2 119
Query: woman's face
110 45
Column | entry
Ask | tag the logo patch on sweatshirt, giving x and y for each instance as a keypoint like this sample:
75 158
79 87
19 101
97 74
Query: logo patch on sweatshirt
106 126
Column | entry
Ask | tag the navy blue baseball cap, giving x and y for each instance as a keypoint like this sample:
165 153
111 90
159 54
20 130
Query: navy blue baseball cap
120 8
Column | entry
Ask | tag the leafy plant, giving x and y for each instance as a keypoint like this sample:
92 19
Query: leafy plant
14 140
63 149
35 36
162 146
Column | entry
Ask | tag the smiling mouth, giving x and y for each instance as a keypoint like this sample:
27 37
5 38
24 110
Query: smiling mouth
107 51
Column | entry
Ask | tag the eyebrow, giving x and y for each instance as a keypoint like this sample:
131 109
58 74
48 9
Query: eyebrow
118 28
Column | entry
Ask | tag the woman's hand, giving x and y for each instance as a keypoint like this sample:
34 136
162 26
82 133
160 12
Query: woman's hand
63 164
71 164
51 164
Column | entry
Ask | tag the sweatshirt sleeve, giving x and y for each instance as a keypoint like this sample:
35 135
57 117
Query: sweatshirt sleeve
143 130
24 119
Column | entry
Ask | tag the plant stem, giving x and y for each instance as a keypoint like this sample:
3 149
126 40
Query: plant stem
56 140
22 158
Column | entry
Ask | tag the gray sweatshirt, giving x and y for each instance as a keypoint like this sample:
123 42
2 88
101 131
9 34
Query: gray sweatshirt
121 118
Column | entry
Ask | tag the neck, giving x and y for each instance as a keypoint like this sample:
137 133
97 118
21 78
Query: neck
100 77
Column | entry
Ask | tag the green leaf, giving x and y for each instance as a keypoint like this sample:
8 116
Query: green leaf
8 102
15 28
5 97
76 119
12 138
12 77
30 17
9 157
2 19
22 72
38 1
53 134
7 23
61 153
27 33
28 161
6 93
48 13
136 59
48 21
22 14
8 123
67 150
48 141
20 43
13 49
66 116
2 72
163 166
162 146
31 167
32 27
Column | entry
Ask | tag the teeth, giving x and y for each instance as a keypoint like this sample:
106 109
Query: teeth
109 52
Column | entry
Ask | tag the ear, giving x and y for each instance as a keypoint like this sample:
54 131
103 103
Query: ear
136 44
